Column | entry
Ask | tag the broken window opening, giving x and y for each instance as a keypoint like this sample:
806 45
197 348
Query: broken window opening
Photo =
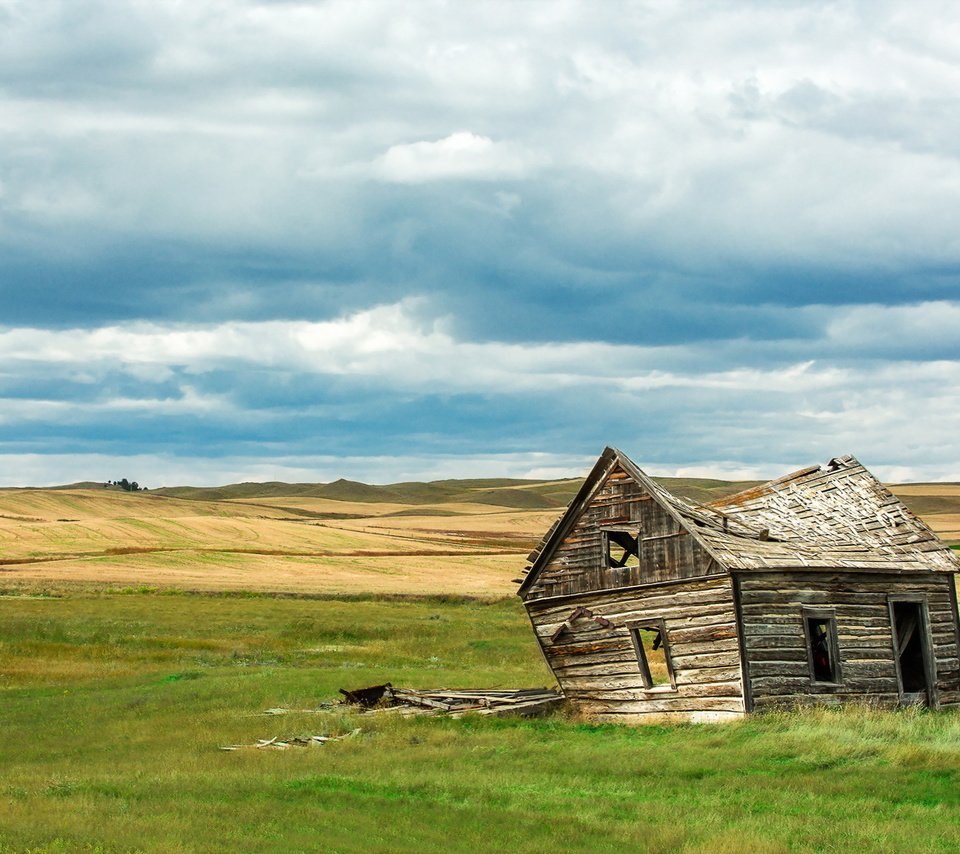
653 655
822 654
622 549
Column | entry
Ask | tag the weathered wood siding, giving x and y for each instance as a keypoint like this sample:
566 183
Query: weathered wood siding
597 668
667 551
777 667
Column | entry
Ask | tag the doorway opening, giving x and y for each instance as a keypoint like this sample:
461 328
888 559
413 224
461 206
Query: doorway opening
912 654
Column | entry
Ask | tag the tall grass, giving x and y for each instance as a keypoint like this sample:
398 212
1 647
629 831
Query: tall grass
113 708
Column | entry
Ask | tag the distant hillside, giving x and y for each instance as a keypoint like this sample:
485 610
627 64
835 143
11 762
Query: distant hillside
499 492
82 484
926 504
704 490
938 503
924 499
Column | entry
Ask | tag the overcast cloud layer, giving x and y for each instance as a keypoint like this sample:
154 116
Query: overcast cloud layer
301 241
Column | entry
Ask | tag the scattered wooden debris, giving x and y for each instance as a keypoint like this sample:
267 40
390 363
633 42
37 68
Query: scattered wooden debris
409 701
281 710
276 743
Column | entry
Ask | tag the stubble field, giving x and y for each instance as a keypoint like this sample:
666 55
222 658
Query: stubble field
420 539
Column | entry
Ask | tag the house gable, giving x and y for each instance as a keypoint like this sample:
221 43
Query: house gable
618 532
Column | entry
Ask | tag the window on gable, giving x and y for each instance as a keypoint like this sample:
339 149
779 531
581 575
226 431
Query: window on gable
820 628
622 548
653 655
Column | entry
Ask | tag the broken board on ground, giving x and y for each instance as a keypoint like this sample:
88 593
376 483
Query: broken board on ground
409 701
276 743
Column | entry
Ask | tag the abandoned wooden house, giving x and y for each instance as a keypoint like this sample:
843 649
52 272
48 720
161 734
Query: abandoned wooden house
819 587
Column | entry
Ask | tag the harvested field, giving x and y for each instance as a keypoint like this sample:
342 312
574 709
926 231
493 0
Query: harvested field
118 539
366 509
94 537
480 575
938 504
947 489
304 543
947 525
50 505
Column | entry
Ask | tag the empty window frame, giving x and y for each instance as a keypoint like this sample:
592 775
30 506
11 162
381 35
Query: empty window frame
653 655
823 657
621 547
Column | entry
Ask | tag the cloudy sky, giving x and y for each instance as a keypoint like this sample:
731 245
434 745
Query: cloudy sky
250 240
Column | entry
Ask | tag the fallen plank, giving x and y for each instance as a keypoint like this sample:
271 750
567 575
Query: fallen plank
276 743
406 701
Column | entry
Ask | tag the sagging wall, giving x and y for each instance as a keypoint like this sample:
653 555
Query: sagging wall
667 551
777 663
597 668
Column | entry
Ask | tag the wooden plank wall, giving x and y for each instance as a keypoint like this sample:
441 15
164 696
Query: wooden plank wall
667 552
596 665
776 654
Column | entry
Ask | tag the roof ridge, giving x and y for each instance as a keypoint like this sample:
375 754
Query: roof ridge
838 515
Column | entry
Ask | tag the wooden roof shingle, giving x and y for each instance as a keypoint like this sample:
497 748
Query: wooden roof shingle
838 515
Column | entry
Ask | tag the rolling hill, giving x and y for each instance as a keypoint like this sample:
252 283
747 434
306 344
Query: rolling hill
449 537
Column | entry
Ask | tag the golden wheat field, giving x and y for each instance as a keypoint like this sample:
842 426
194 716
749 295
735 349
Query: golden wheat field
117 538
938 504
464 544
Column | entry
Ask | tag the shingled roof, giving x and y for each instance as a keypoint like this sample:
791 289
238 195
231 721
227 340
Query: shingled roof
835 516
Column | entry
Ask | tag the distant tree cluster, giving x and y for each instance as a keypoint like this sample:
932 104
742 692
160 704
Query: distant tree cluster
126 485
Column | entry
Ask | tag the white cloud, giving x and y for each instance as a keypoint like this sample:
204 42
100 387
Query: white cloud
727 416
792 132
394 345
462 155
23 412
933 325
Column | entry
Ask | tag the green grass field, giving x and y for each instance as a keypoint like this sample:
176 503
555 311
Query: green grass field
113 707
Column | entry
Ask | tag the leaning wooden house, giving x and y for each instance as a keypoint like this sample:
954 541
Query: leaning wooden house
819 587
